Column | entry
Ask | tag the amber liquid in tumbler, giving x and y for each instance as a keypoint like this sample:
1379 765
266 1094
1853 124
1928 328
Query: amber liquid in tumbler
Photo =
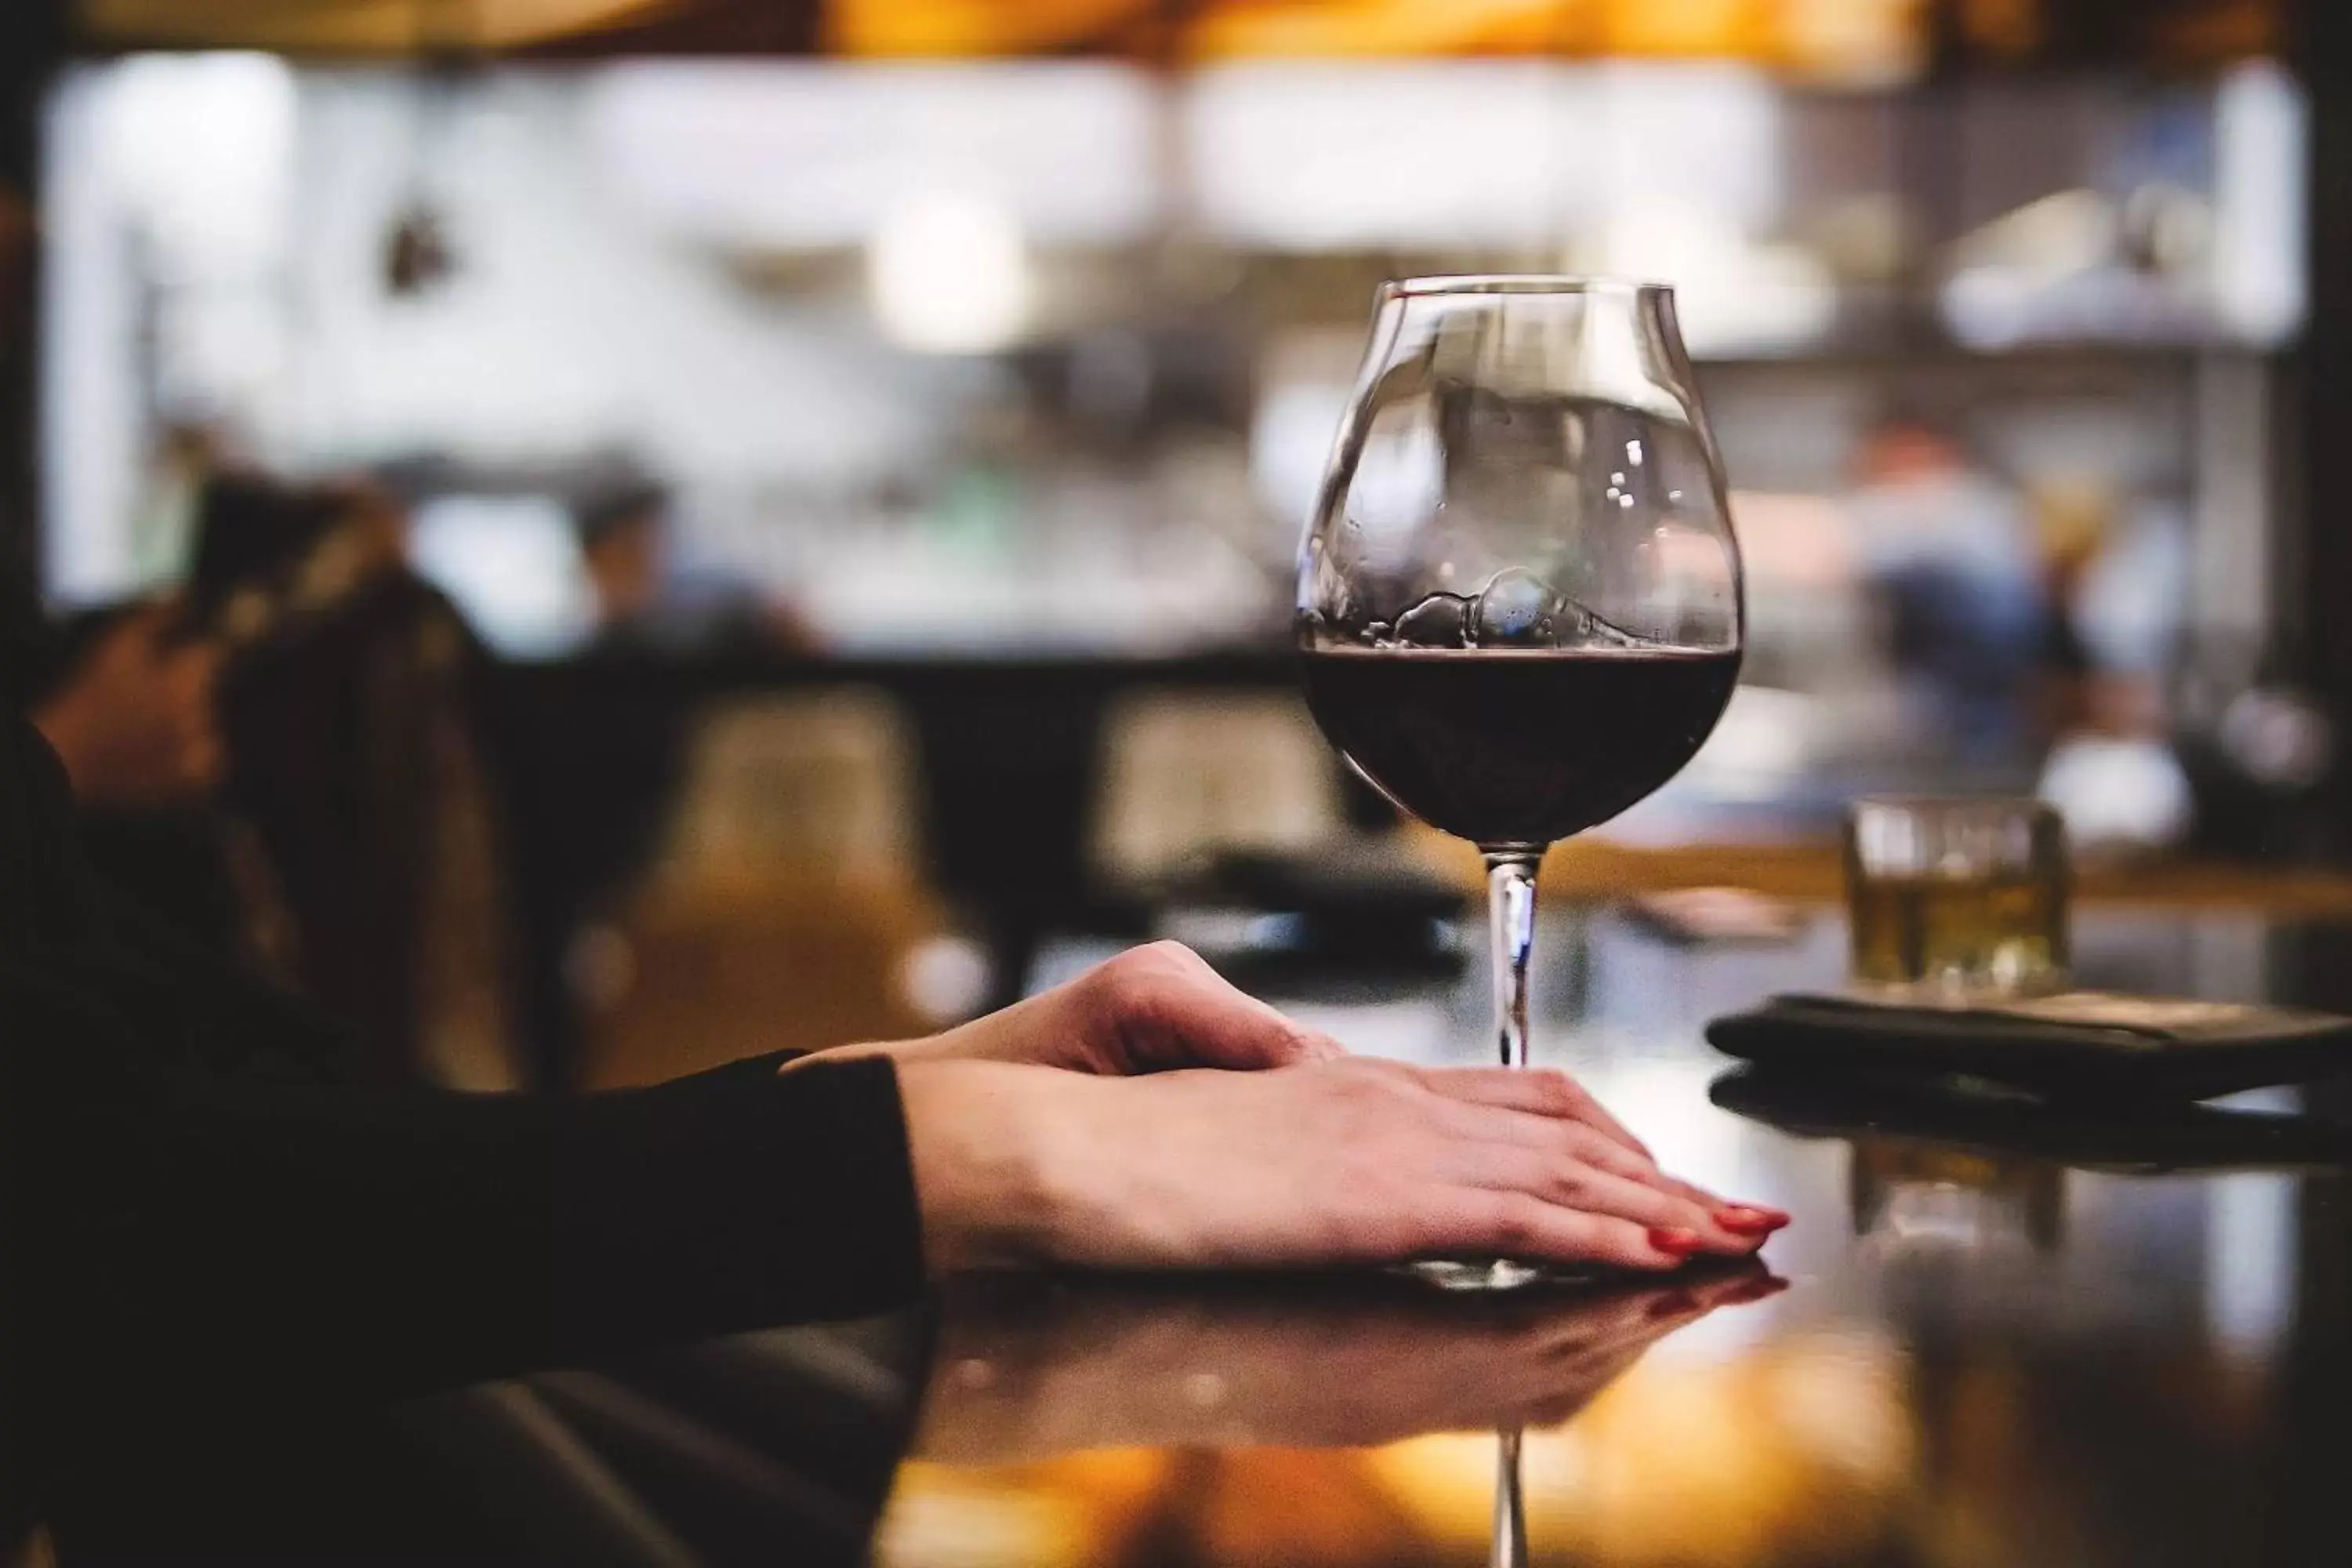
2004 933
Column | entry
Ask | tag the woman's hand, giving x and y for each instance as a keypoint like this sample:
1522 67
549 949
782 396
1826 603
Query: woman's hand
1327 1161
1155 1008
1035 1140
1149 1009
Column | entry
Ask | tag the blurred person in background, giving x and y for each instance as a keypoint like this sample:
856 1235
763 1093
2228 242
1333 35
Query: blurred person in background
644 603
1951 551
621 550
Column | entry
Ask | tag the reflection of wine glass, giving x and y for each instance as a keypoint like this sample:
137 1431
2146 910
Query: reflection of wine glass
1519 597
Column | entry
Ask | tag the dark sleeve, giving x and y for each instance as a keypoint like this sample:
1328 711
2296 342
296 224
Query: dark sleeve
175 1220
436 1237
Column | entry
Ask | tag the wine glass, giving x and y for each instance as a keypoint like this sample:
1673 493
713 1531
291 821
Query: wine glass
1520 598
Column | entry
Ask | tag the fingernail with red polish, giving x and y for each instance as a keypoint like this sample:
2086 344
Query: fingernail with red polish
1742 1220
1681 1243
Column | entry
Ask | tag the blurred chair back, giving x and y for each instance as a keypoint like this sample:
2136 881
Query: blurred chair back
819 786
1188 773
786 906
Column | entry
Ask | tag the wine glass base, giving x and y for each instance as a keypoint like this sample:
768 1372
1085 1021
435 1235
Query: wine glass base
1475 1274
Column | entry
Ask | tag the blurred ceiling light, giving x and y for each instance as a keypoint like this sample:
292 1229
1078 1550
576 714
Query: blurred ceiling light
951 27
349 26
949 274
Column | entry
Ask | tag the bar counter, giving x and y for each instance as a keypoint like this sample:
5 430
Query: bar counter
1998 1333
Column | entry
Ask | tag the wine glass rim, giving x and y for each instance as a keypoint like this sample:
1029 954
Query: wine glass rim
1521 283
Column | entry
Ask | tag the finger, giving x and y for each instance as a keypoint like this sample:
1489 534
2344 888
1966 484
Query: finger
1574 1184
1541 1090
1576 1140
1742 1218
1569 1140
1520 1225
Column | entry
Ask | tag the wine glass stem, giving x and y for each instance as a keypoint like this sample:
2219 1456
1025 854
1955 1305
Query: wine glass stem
1510 1547
1511 918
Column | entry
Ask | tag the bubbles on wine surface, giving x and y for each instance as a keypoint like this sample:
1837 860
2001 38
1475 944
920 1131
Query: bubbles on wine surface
1439 620
1516 609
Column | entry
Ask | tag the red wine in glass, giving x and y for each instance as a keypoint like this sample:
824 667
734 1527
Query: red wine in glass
1518 749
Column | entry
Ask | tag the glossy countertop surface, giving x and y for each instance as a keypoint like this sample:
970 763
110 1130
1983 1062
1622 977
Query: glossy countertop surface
1996 1335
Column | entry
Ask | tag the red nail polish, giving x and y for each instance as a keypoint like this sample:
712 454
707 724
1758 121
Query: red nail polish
1681 1243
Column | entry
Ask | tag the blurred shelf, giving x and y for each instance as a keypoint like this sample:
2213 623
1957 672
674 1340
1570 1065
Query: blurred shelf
1596 868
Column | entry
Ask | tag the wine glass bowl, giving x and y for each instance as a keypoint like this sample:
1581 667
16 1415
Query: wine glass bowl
1519 599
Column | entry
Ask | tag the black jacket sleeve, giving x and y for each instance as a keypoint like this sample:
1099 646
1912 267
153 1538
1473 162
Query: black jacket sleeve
157 1198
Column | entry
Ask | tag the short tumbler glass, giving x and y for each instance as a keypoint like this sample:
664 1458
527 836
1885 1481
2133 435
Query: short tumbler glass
1956 901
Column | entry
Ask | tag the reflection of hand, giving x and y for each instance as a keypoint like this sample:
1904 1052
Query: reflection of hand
1029 1369
134 722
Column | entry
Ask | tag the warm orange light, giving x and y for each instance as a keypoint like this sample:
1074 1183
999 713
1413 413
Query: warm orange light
955 27
355 26
1323 28
1797 1451
1708 27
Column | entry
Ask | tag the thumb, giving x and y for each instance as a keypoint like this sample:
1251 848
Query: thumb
1199 1020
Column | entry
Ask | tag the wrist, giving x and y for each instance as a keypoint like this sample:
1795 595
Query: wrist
984 1141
